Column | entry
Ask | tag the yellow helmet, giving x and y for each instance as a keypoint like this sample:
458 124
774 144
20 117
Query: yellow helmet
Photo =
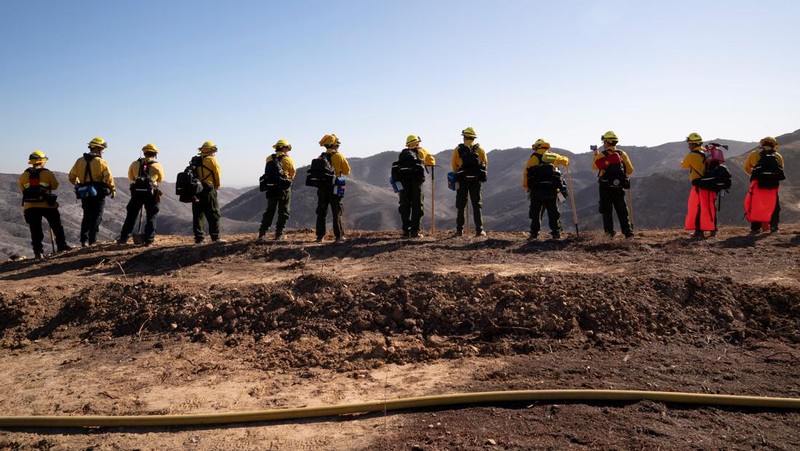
541 144
469 132
98 142
282 143
150 147
208 147
329 140
610 137
36 157
694 138
769 141
411 139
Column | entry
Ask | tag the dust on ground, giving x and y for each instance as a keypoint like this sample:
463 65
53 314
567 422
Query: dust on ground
183 328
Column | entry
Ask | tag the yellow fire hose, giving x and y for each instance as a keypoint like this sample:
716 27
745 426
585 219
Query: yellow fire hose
399 404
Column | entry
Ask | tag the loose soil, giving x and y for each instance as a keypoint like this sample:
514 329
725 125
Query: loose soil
181 328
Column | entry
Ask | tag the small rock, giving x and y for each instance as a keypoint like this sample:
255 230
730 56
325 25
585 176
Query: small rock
173 326
491 441
490 279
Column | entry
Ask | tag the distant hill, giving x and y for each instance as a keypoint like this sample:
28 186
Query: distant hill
659 191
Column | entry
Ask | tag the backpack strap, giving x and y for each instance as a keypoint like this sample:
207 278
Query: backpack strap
143 168
88 172
202 165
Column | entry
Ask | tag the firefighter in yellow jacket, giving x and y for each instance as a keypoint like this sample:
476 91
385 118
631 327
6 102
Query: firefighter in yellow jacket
701 215
325 194
145 175
206 206
613 168
469 164
765 166
37 185
543 182
279 190
412 195
93 182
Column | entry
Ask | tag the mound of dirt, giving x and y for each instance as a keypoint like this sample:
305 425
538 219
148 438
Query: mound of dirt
324 321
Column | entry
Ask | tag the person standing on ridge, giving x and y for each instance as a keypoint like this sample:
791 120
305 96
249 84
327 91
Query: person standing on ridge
145 174
93 182
701 215
613 169
280 197
543 182
37 185
470 164
325 193
410 170
765 167
206 207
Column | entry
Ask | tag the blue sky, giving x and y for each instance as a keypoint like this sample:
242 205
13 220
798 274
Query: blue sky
247 73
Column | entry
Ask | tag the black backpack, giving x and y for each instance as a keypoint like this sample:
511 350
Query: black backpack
614 175
768 172
409 168
274 181
544 179
187 185
321 173
472 169
143 185
35 192
716 177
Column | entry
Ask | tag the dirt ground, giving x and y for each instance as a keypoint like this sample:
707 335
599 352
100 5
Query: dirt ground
179 328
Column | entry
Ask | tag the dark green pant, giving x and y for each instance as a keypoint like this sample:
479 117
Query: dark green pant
538 205
614 199
206 208
411 207
473 190
325 198
283 207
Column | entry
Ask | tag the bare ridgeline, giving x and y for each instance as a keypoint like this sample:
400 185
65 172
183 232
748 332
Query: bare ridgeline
654 195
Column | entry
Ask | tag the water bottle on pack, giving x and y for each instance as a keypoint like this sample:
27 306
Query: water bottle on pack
396 186
339 186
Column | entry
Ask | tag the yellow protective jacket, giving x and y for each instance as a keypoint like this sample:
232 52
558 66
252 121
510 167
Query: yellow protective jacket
536 161
427 158
755 156
209 172
339 163
456 160
695 163
98 171
286 162
155 170
46 179
623 156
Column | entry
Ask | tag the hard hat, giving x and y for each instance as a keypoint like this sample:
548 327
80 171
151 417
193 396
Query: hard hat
208 146
541 144
769 141
694 138
98 142
412 138
150 147
469 132
282 143
609 136
329 140
37 156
